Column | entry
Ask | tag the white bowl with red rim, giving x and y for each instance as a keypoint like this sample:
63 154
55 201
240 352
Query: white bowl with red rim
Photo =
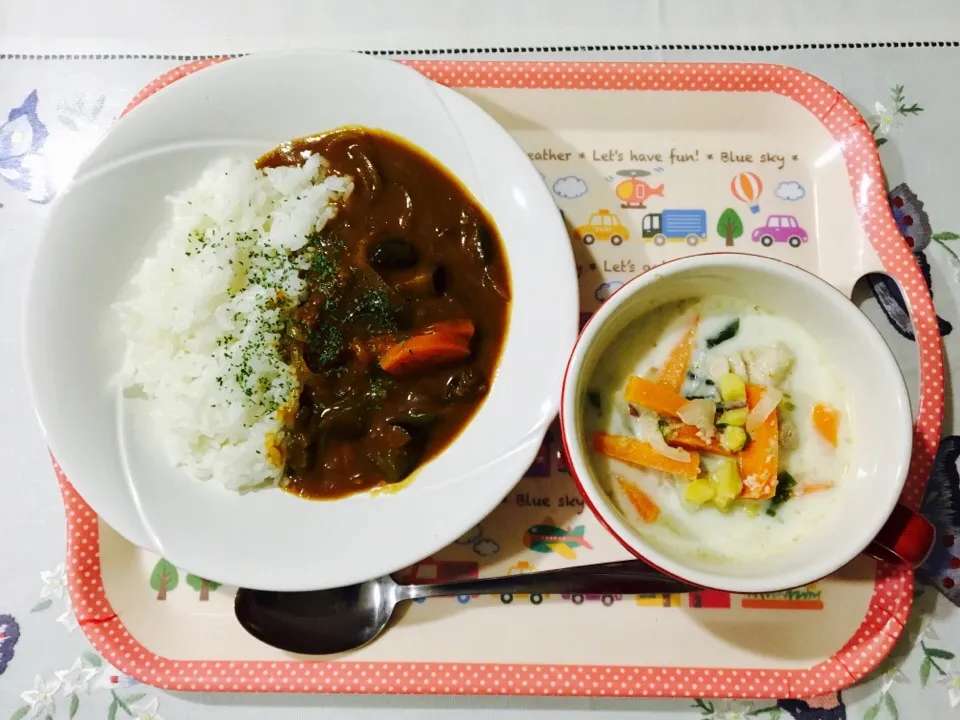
868 516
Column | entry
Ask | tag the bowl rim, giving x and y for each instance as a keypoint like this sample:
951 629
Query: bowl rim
579 465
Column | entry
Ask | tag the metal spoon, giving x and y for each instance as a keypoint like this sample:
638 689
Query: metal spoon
323 622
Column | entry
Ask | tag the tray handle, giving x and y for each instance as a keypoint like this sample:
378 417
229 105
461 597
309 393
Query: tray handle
897 261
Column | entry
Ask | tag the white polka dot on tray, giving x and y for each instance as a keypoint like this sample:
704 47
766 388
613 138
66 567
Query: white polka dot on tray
893 590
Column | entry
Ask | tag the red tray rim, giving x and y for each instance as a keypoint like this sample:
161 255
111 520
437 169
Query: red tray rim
890 602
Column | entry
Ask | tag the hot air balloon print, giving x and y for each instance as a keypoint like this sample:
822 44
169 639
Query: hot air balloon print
747 187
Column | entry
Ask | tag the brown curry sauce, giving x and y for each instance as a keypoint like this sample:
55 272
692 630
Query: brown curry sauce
410 249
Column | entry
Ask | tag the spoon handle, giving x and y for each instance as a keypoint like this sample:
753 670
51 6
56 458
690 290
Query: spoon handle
625 578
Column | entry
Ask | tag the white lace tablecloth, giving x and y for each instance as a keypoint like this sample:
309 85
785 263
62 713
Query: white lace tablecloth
230 26
53 110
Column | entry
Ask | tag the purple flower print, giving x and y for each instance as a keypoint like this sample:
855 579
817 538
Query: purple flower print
22 138
9 634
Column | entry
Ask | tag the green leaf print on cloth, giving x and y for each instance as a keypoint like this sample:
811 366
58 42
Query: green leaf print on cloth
887 119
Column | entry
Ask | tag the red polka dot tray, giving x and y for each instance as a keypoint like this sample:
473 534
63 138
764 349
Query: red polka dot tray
752 158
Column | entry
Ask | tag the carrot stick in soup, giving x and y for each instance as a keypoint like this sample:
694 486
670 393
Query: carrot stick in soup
686 437
826 421
675 368
758 461
812 488
644 505
654 396
637 452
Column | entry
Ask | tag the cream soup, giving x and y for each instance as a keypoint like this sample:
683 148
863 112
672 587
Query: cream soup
718 429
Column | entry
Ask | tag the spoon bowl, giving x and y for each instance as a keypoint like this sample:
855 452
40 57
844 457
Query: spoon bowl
319 622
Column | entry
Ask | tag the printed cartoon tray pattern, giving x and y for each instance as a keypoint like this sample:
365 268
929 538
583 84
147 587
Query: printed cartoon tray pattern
707 644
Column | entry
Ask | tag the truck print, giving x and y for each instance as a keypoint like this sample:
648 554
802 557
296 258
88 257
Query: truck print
675 226
709 599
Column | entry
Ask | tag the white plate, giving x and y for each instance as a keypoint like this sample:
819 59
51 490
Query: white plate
106 222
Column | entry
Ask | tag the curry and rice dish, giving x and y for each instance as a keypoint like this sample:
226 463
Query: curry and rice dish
326 319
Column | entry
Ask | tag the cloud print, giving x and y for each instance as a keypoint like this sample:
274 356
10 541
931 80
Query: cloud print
486 547
570 187
606 289
790 190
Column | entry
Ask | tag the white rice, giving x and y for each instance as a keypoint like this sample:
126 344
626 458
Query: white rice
202 315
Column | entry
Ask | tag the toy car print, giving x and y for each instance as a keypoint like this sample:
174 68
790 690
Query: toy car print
607 599
778 229
603 225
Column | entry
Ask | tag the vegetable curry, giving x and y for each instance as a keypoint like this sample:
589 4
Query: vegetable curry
406 309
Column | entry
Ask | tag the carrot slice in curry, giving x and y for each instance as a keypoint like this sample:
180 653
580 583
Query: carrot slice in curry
759 460
675 368
637 452
461 328
826 421
423 353
685 436
644 505
654 396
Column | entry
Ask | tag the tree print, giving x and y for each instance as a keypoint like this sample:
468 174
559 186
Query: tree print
730 226
202 586
164 578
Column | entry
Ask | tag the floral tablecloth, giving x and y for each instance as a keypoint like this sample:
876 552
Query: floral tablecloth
53 110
